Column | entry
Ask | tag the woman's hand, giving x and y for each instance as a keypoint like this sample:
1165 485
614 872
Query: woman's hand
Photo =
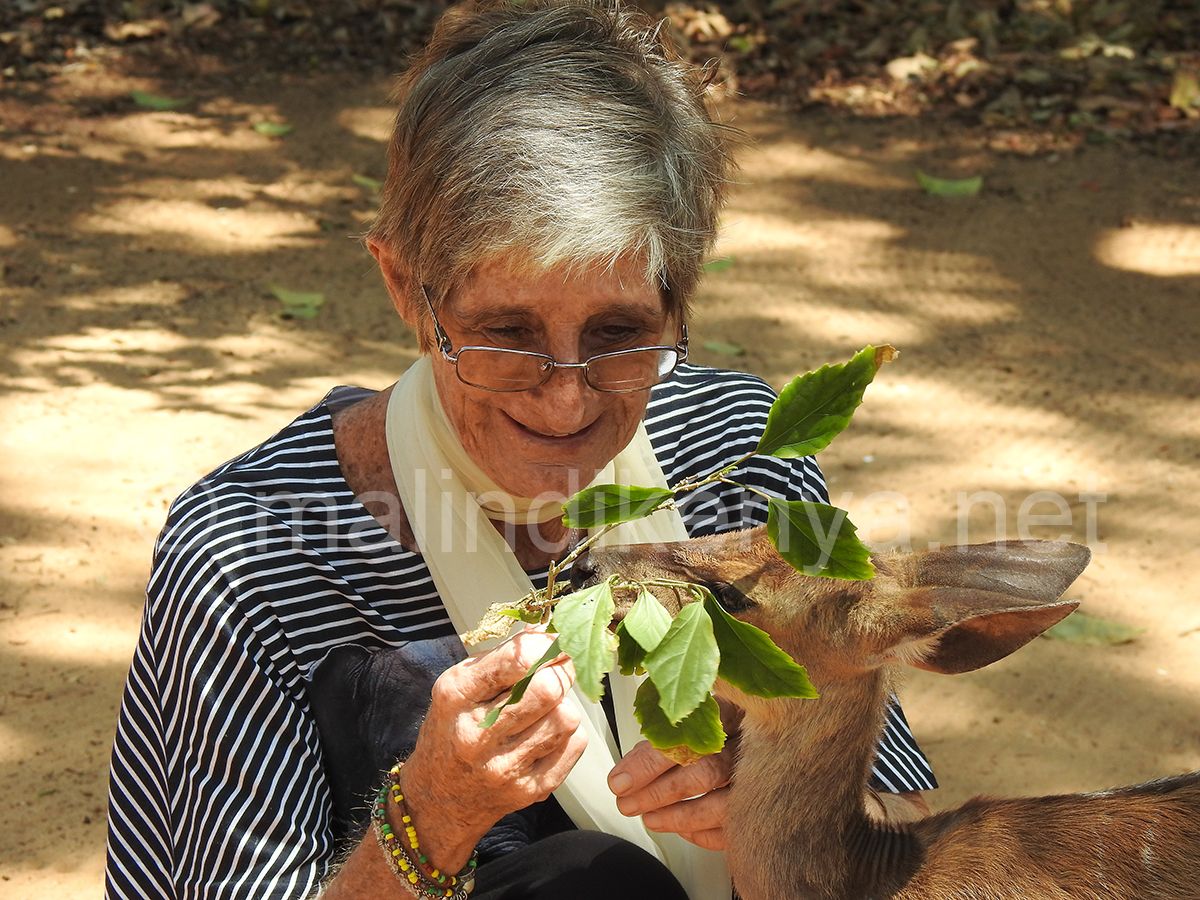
691 801
461 778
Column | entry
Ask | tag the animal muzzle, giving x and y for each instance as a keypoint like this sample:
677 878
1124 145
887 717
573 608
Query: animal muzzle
584 572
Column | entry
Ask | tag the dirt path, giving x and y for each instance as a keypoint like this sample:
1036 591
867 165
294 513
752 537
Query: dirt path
1049 330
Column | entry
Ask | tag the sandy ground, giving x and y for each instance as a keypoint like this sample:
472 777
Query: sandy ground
1049 330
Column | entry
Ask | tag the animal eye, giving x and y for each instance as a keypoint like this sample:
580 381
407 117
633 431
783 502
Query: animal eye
731 599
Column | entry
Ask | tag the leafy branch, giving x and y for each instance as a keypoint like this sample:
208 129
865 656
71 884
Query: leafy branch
683 656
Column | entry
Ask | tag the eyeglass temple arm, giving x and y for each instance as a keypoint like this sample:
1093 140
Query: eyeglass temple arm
443 339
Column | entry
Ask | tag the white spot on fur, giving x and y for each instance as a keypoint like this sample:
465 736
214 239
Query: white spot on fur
911 652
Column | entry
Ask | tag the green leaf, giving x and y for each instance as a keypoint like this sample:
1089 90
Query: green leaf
607 504
365 181
814 408
741 43
642 629
518 689
700 731
524 614
751 661
273 129
818 540
582 621
647 621
1080 628
725 348
949 187
713 266
684 664
157 101
1185 91
298 304
630 654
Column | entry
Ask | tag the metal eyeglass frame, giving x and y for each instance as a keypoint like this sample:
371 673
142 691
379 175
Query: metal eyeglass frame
549 363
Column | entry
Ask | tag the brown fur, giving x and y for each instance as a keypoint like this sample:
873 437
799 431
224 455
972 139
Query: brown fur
797 823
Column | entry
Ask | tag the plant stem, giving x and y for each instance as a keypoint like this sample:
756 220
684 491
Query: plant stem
746 487
687 484
575 552
697 482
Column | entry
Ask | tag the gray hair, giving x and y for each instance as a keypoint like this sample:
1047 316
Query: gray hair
550 134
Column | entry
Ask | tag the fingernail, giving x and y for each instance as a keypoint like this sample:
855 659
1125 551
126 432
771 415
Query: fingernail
620 783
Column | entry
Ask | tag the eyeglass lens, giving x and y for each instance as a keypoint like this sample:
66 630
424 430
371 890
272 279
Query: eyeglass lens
498 370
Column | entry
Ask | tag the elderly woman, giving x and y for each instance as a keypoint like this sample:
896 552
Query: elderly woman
553 188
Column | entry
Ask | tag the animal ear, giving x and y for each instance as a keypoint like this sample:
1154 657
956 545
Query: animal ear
1033 569
966 607
953 630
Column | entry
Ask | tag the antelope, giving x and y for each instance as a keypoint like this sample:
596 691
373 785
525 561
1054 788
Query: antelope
799 827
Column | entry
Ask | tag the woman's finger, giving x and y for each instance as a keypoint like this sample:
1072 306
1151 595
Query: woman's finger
551 770
484 678
691 816
712 839
545 735
637 769
547 690
654 785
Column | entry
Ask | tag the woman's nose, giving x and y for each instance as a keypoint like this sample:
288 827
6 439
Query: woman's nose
564 398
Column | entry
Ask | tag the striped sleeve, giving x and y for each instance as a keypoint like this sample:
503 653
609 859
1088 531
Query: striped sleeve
216 787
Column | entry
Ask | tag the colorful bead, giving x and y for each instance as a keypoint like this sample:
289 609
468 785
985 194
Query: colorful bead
412 868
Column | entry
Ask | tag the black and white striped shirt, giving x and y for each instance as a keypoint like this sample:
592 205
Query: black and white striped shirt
269 563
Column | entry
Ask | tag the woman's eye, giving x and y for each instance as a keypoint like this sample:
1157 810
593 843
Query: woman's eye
618 334
508 333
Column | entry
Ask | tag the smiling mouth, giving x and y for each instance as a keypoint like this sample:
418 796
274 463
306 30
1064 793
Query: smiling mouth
553 438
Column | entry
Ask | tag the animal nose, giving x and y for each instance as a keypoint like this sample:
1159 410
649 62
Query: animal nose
583 571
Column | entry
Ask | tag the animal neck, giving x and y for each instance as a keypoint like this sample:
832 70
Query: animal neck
798 826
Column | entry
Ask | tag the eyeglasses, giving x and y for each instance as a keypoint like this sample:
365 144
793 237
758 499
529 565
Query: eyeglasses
501 369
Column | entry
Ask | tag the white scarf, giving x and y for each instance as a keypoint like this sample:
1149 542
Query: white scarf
472 566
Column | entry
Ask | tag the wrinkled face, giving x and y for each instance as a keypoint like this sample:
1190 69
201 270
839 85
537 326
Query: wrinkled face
554 438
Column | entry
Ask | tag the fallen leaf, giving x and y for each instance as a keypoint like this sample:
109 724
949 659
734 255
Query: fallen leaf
157 101
718 265
298 304
366 181
741 43
1034 76
1185 92
199 15
949 187
134 31
916 67
725 348
1080 628
273 129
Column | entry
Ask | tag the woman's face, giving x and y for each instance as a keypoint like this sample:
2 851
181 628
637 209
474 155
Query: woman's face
556 437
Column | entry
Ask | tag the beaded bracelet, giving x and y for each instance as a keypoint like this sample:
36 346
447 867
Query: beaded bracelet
409 864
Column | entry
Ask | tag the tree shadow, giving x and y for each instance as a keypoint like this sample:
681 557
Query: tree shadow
132 247
1021 326
141 257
